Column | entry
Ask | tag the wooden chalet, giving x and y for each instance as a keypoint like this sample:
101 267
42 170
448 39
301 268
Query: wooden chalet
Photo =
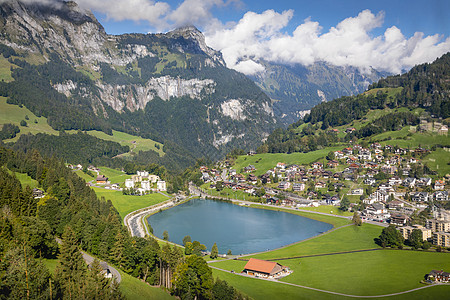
439 276
102 179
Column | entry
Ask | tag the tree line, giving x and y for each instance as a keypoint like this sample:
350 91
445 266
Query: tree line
71 210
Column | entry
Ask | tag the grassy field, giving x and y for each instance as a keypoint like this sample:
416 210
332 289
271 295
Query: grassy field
259 289
133 288
27 180
367 273
85 176
136 143
266 161
115 176
439 161
126 204
14 114
5 70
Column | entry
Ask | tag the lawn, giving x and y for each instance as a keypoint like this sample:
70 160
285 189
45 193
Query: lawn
266 161
133 288
126 204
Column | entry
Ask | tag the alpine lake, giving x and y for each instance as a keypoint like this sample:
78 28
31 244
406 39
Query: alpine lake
241 229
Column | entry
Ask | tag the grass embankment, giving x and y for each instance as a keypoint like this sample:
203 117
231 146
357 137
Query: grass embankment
126 204
133 288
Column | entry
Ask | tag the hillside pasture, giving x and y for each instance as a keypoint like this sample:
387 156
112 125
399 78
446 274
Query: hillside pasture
266 161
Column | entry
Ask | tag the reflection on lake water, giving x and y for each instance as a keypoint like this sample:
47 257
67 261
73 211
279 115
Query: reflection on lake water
238 228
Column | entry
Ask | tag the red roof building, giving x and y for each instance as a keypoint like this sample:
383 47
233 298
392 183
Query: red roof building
266 269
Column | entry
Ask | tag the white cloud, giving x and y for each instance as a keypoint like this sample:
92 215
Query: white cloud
349 43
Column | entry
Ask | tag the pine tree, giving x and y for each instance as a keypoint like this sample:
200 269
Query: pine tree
72 269
214 251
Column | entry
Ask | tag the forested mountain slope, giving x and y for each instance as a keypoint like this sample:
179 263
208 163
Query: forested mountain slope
168 87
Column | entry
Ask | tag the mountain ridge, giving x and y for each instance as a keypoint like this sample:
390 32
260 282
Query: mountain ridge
162 86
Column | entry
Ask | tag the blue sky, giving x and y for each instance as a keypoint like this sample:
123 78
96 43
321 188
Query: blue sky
429 16
386 35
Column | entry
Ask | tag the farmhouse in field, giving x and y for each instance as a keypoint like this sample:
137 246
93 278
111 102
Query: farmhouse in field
102 179
266 269
438 276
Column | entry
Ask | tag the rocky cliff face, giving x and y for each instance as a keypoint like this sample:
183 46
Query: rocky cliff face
128 73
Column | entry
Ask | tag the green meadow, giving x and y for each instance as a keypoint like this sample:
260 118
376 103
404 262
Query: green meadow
266 161
136 143
13 114
125 203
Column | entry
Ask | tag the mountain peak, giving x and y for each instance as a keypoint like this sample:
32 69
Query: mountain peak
191 33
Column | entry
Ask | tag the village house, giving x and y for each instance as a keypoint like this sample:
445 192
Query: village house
265 178
439 185
298 187
281 165
153 178
407 230
365 154
347 151
409 182
381 195
395 181
284 185
129 183
394 204
424 181
37 193
249 168
357 192
339 154
370 181
161 185
443 130
265 269
333 164
441 195
252 179
376 208
317 165
320 185
399 220
145 185
420 197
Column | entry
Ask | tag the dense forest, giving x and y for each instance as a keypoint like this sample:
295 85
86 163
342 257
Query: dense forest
70 210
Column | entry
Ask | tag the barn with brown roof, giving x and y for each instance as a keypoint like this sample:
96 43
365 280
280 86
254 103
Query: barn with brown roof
264 268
